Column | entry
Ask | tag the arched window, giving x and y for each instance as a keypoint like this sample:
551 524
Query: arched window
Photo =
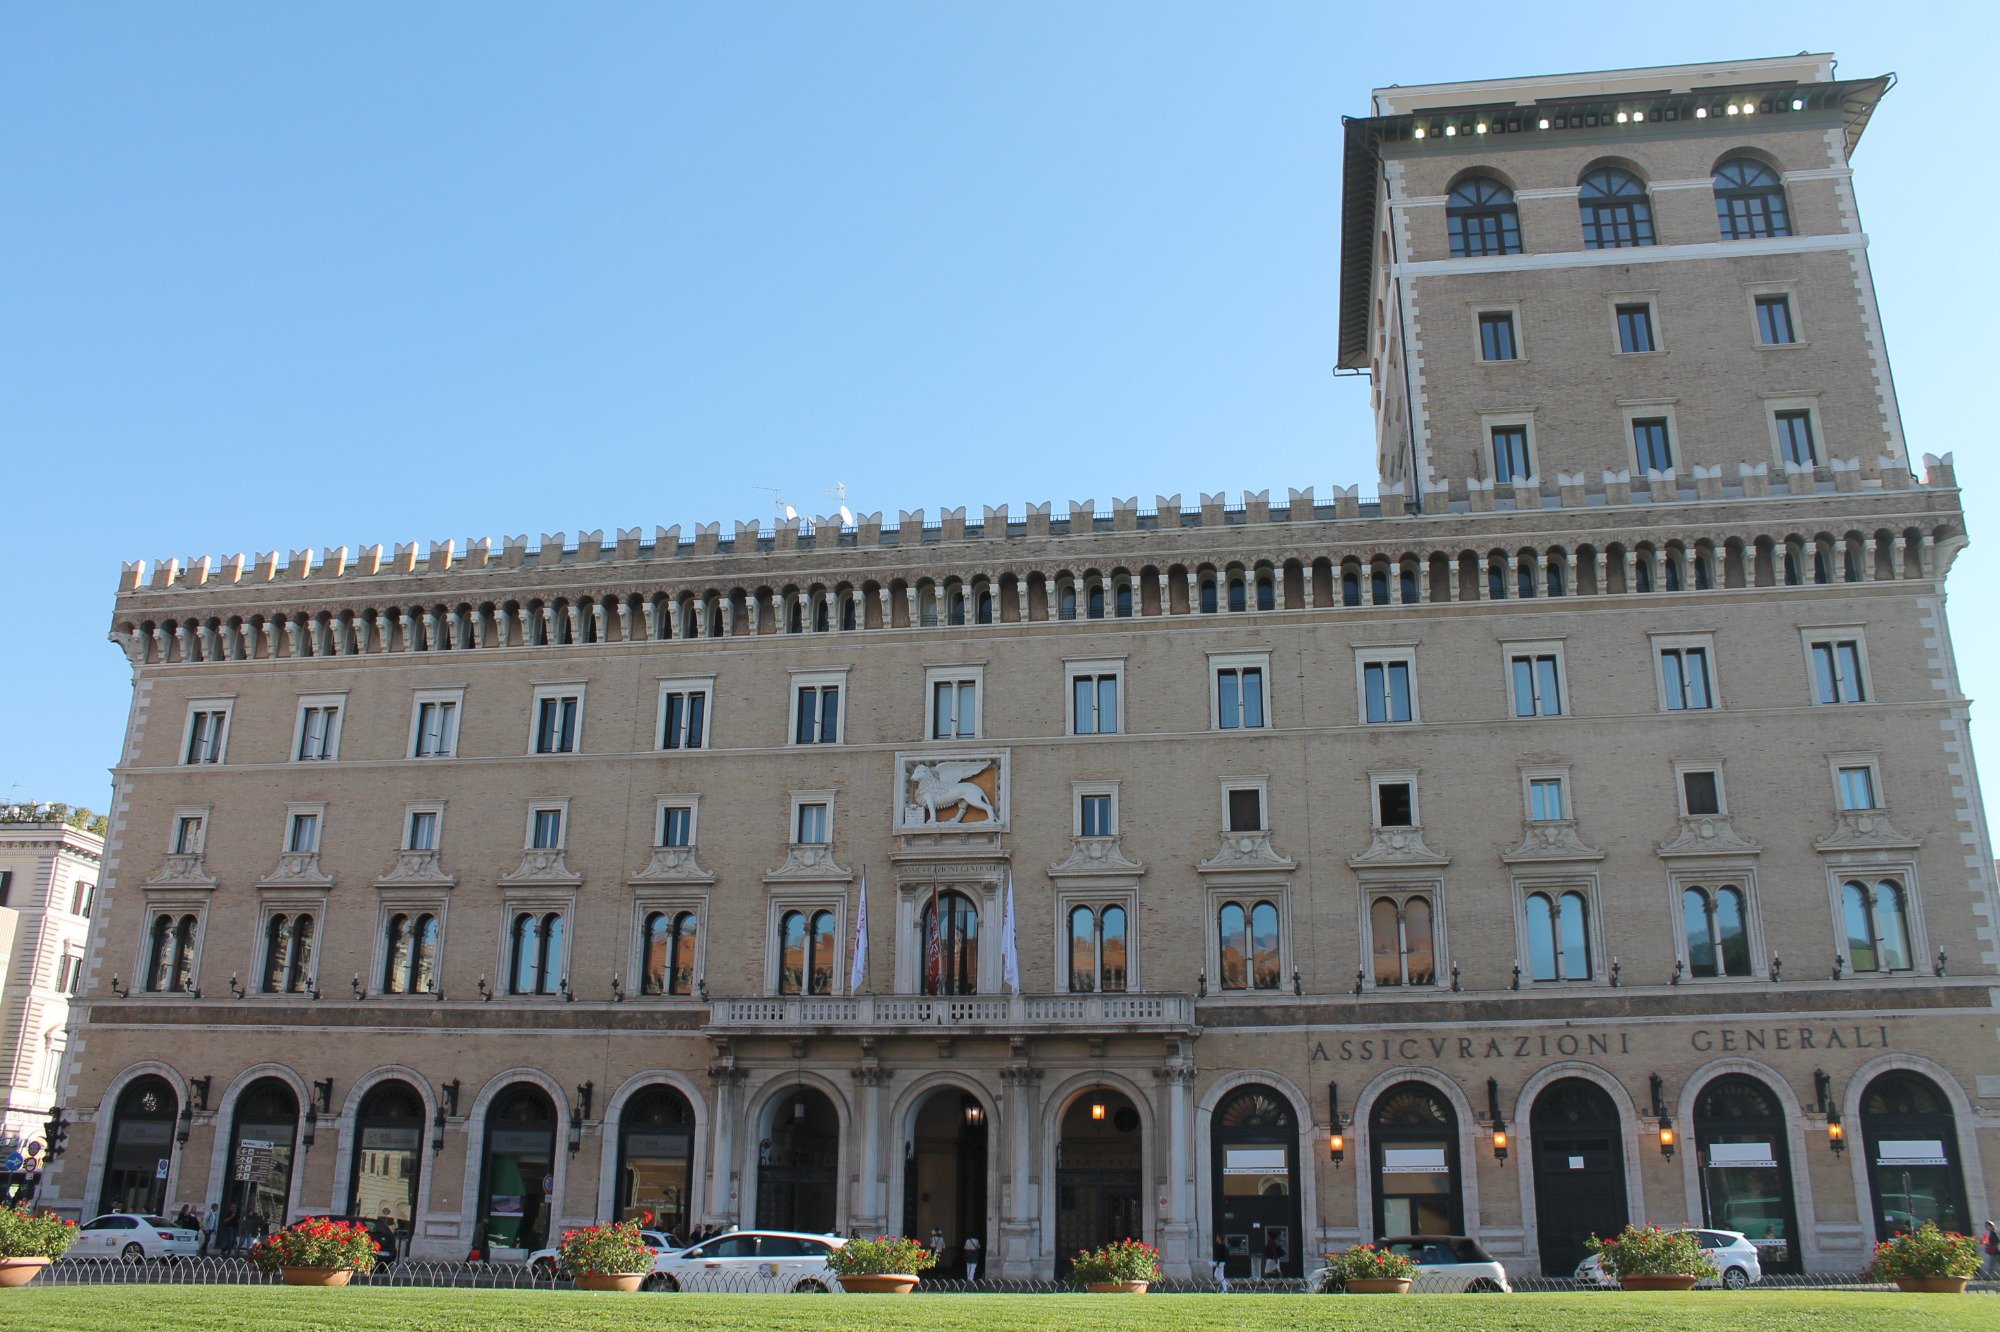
520 1153
1556 588
1267 593
1350 587
1097 949
1208 596
537 953
1409 582
1718 937
1558 936
1878 925
1236 598
1496 580
1255 1180
1616 210
1401 936
260 1151
1122 607
1066 601
927 606
410 954
170 955
983 606
1750 200
954 601
655 1158
1378 585
1743 1150
1413 1140
142 1135
1910 1141
848 608
1094 601
288 946
948 945
1247 945
671 937
1482 219
1524 576
805 952
388 1155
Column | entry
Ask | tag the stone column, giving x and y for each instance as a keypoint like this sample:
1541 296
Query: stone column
868 1208
721 1204
1176 1223
1018 1254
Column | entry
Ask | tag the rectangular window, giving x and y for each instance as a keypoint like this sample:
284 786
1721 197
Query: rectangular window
1246 809
1510 453
6 885
208 730
1837 671
954 709
558 722
677 825
423 831
83 905
69 973
303 837
818 720
1395 805
1774 321
1702 791
187 835
1496 336
1650 443
815 824
1094 816
1635 328
1545 800
1684 672
436 729
1795 437
1385 691
545 829
1239 697
1857 787
1094 704
1537 686
683 718
319 732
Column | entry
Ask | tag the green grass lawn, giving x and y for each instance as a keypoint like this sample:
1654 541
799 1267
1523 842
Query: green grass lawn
201 1308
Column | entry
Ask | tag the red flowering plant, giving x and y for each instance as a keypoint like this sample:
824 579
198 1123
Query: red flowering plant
333 1246
1365 1262
614 1250
1653 1251
885 1255
1930 1252
1120 1260
26 1234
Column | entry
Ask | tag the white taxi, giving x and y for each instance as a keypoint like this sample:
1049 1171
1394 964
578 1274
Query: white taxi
750 1260
133 1238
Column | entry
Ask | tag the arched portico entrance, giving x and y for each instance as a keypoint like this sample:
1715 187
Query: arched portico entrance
656 1158
1579 1171
388 1160
944 1175
1100 1191
1254 1181
518 1174
142 1148
1911 1137
259 1179
798 1164
1743 1145
1413 1146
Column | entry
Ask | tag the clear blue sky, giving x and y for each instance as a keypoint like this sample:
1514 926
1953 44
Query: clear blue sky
287 275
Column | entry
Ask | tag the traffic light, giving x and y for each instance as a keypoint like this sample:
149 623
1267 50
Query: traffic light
57 1132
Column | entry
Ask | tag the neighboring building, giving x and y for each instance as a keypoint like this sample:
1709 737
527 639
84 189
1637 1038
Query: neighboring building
48 890
1617 807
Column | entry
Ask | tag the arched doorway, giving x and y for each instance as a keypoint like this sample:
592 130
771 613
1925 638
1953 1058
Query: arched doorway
656 1157
798 1165
1254 1181
1413 1150
388 1157
1100 1153
1911 1138
944 1175
1579 1144
517 1176
1743 1148
259 1179
142 1148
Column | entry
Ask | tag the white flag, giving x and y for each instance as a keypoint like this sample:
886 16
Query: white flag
857 975
1010 955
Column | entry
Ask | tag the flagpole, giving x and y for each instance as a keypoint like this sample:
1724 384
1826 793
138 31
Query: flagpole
857 971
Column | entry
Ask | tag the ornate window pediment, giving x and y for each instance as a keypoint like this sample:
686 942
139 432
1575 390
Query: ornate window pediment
1551 840
1097 855
1398 848
810 862
182 871
417 869
297 869
1246 852
1707 835
675 864
543 865
1864 830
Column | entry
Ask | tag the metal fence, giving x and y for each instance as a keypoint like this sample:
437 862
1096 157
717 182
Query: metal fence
237 1271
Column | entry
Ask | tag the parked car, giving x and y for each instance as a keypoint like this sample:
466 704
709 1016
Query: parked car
750 1260
384 1233
547 1264
134 1238
1732 1251
1445 1264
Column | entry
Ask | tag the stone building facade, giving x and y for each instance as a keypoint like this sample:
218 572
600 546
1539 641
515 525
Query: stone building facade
1547 841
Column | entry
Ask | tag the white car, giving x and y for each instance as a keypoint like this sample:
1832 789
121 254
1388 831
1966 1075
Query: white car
750 1260
1732 1251
1446 1264
135 1239
546 1264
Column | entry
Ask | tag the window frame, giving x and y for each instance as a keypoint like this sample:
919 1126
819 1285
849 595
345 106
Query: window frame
1723 195
1484 311
1489 464
1553 887
1835 763
1386 654
1711 879
1757 295
1218 664
1378 780
1774 407
1713 767
1534 650
179 906
685 685
810 900
225 706
411 903
673 904
454 697
821 680
543 693
1636 414
1432 891
1096 901
1661 644
314 810
1871 872
1545 773
200 814
797 800
1097 668
1258 783
1813 636
435 808
1590 224
541 905
1619 303
1505 214
308 978
1079 792
1248 894
541 805
971 673
331 743
661 804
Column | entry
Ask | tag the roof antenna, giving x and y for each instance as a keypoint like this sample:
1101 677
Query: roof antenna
786 513
839 492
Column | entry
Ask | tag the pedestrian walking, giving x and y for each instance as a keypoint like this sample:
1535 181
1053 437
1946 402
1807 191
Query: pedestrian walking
208 1228
232 1220
972 1251
1990 1246
1274 1254
1218 1265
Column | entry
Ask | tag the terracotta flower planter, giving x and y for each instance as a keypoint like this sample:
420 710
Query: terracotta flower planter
609 1280
1657 1281
1378 1285
1932 1285
879 1283
20 1271
316 1276
1116 1287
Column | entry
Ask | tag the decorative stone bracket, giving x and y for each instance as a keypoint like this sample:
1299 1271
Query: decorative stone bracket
543 866
182 871
1551 840
418 869
1097 855
1242 852
297 869
1398 848
1707 835
674 864
1864 830
810 862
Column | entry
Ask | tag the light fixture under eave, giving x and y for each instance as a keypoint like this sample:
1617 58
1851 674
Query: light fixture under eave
1450 131
1541 124
1798 104
1337 1144
1701 113
1733 108
1420 132
1097 1111
1638 116
1622 117
1749 108
1480 128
